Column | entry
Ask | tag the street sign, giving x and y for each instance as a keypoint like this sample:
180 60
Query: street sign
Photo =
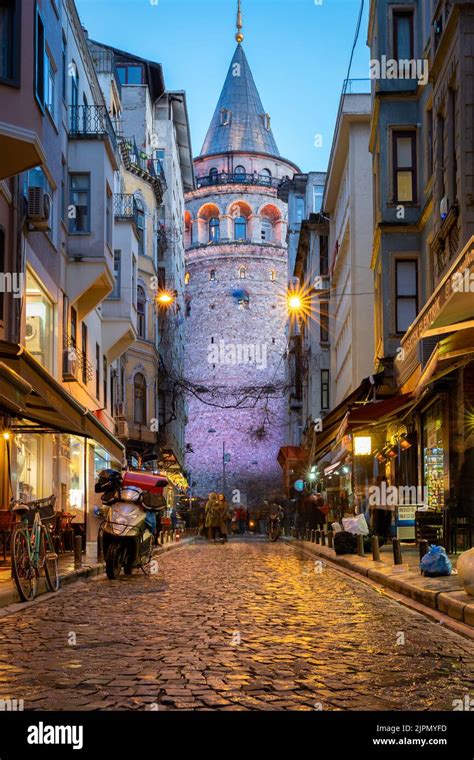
226 458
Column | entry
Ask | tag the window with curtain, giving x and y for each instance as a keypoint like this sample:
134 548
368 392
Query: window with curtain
240 228
139 399
214 229
404 166
141 312
406 280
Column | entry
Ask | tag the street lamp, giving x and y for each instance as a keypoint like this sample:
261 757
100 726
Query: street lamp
165 298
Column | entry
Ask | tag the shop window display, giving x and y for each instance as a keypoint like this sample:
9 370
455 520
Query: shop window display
433 456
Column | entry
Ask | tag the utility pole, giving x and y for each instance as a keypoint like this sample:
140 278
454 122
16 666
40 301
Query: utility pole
224 462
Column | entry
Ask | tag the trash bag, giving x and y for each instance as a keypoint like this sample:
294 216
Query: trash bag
357 525
345 543
435 562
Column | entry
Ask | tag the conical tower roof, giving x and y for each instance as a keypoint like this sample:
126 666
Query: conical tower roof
240 122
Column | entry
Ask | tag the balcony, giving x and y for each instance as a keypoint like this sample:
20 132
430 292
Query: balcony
125 208
104 63
75 363
440 22
146 167
226 178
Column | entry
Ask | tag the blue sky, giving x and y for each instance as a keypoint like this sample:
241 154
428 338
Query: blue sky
298 51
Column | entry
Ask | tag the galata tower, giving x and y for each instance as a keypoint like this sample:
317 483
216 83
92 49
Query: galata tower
236 309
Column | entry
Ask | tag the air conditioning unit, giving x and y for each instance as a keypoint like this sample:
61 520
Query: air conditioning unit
39 208
121 427
69 366
443 208
34 338
121 409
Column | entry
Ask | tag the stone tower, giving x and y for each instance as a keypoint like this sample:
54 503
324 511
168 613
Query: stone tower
236 282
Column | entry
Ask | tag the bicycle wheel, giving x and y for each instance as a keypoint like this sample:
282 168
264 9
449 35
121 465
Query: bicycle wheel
49 560
23 569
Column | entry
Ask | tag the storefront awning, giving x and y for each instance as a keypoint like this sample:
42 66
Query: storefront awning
289 455
377 412
47 403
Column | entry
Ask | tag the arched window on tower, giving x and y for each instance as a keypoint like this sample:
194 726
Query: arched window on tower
214 230
187 278
212 274
139 399
272 275
239 173
267 230
240 228
213 175
242 273
266 176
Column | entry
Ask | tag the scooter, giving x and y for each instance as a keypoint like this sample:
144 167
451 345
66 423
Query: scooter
127 530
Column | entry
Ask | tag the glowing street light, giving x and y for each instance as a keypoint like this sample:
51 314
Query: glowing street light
165 298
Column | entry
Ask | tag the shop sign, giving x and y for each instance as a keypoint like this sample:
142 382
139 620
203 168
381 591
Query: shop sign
298 485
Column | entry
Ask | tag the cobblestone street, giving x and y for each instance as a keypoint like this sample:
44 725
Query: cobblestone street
243 626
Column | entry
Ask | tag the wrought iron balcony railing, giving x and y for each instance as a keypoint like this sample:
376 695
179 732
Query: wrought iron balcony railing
75 362
141 162
91 121
227 178
125 207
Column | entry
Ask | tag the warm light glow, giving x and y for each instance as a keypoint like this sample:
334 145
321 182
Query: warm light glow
312 476
295 302
6 436
165 298
362 445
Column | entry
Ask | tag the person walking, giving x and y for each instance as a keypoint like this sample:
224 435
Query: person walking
241 518
213 520
224 515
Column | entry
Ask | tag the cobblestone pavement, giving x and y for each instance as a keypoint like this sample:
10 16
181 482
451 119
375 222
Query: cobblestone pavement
243 626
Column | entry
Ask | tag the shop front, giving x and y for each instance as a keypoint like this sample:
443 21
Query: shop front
50 444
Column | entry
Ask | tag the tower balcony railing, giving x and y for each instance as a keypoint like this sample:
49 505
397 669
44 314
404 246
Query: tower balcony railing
232 178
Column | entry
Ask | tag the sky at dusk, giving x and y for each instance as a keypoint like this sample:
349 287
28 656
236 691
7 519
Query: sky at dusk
298 51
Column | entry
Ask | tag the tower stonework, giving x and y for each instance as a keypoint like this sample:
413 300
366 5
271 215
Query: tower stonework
236 264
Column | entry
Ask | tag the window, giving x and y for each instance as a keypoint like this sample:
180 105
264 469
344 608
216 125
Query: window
240 228
226 117
134 281
404 167
105 371
97 371
2 269
406 278
130 74
117 274
39 59
429 142
267 122
318 191
74 86
79 199
63 189
299 209
265 176
267 230
272 275
10 44
139 399
161 278
214 230
324 321
213 174
73 335
323 255
242 273
403 35
239 173
187 278
84 350
109 216
324 389
141 312
51 86
212 274
141 227
64 70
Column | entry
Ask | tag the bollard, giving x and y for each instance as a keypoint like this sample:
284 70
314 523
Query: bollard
317 534
423 547
331 539
323 538
77 551
375 549
160 537
100 546
397 552
360 545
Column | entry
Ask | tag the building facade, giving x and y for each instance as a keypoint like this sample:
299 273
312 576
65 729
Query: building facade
236 275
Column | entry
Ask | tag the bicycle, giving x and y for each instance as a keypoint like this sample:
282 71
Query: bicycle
32 548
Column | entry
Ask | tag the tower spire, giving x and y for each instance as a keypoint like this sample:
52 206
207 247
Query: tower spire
239 36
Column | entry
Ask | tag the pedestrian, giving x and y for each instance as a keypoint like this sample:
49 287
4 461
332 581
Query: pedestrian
383 512
241 518
213 520
224 514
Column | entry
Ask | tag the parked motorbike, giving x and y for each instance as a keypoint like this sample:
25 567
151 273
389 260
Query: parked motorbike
128 528
275 524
